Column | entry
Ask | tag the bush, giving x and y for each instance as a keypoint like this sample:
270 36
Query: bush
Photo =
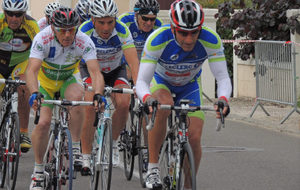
265 20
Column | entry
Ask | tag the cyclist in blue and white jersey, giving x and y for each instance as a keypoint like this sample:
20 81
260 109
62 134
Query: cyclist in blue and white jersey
142 22
113 40
171 63
53 67
45 21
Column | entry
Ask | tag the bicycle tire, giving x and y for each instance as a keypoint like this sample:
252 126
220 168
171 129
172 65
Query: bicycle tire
64 168
14 150
105 160
128 144
3 162
50 161
164 158
142 147
187 159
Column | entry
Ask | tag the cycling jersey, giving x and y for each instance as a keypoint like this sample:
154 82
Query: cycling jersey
109 51
138 35
60 63
166 58
43 23
15 44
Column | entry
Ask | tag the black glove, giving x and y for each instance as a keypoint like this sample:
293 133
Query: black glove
99 98
150 102
221 103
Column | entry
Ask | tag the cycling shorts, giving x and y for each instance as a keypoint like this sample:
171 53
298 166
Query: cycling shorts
191 91
113 78
14 71
49 87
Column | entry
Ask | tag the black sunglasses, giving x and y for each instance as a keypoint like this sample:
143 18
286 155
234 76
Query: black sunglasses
16 14
147 18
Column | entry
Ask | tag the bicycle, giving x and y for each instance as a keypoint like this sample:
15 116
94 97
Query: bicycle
176 153
10 133
132 141
101 157
58 158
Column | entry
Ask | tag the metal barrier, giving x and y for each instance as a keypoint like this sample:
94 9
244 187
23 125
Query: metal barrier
275 75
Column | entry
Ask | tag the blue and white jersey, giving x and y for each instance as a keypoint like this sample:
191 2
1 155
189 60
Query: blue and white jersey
109 51
138 35
163 55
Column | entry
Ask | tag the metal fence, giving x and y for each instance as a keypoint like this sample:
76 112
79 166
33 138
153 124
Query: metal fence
275 75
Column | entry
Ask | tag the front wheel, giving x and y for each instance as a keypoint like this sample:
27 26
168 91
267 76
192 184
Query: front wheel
3 163
12 158
187 173
103 160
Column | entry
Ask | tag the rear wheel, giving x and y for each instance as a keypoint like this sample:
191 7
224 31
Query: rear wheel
128 145
12 159
142 146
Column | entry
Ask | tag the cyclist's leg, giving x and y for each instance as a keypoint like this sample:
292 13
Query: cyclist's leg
23 106
160 90
87 133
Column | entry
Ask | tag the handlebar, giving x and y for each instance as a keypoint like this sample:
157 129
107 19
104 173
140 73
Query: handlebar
16 82
186 108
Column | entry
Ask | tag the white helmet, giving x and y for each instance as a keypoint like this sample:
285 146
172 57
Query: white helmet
15 5
50 8
103 8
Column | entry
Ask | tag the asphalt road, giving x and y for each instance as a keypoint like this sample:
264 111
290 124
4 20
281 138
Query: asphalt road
240 157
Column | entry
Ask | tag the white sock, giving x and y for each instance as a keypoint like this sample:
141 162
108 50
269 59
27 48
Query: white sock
115 143
38 168
152 165
86 156
76 145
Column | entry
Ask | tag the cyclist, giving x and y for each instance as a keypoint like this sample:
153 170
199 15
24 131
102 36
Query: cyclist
82 8
17 31
53 61
113 40
45 21
172 59
142 22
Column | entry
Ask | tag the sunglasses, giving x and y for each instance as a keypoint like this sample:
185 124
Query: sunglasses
65 30
186 33
147 18
16 14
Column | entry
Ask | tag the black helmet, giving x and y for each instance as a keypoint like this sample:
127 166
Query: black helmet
145 7
64 17
186 15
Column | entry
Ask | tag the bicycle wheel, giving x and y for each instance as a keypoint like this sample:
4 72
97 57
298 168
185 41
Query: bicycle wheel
64 167
102 178
187 174
128 145
165 168
12 159
3 162
142 147
50 161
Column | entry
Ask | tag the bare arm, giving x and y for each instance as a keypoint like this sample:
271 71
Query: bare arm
133 62
97 77
31 74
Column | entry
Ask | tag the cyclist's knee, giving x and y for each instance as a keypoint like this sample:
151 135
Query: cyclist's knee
43 126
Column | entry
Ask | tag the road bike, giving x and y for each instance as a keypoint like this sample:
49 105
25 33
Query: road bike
176 157
58 159
133 142
101 157
9 133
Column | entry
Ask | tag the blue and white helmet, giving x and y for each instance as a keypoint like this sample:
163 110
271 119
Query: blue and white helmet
50 8
82 8
15 5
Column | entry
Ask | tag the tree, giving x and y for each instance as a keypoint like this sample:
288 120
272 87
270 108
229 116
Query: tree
265 20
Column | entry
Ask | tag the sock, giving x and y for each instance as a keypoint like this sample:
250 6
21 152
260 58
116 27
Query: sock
86 156
24 131
76 145
115 143
38 168
152 165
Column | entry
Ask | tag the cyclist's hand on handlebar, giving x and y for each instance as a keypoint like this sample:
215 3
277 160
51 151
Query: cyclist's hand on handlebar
150 103
35 99
222 105
99 102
